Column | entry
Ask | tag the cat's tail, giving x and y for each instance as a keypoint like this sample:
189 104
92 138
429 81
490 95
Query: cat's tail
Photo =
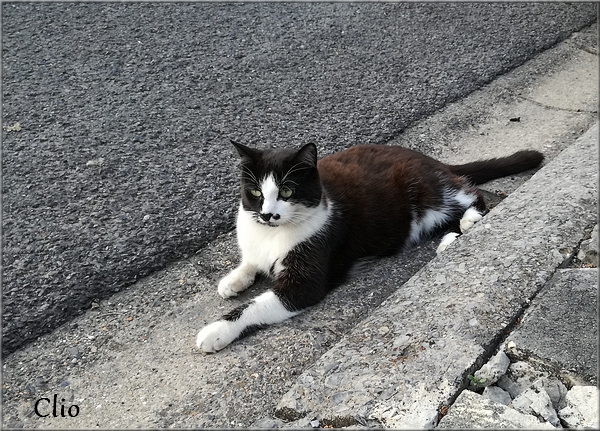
486 170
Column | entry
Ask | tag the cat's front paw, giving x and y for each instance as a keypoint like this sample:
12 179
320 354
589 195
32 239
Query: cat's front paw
235 282
216 336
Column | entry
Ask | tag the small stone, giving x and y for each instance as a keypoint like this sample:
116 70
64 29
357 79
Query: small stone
582 405
383 330
493 370
533 401
497 394
73 352
315 423
16 127
571 417
555 390
95 162
519 377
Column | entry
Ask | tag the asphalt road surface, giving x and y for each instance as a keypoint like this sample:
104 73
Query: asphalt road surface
117 118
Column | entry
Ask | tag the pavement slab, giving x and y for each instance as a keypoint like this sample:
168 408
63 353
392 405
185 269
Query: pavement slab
560 329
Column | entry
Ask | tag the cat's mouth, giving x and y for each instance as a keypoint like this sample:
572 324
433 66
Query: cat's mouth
268 219
267 223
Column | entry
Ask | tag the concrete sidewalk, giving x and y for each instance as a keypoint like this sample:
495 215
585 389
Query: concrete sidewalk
392 348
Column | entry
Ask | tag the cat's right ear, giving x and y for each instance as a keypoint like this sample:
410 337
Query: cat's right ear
245 152
308 155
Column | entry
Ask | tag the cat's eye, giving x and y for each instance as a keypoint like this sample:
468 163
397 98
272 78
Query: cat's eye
256 193
285 192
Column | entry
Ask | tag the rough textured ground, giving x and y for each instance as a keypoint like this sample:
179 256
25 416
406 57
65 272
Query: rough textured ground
116 118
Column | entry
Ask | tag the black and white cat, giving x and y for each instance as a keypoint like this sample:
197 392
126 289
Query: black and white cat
305 223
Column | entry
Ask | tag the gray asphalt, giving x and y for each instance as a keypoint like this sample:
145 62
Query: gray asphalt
121 163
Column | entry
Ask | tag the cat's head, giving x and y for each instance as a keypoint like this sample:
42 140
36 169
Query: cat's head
279 186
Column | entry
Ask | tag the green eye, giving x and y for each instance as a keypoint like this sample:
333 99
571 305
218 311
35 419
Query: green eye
285 192
256 193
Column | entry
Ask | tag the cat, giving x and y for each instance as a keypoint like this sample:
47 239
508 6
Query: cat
306 222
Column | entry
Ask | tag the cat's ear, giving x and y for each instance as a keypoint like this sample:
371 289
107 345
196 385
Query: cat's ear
307 155
245 152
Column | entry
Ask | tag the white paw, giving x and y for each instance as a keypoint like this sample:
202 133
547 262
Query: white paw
448 239
235 282
216 336
469 218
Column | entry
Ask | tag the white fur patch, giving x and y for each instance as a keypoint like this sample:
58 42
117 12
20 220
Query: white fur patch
265 309
465 200
434 218
271 204
263 245
431 220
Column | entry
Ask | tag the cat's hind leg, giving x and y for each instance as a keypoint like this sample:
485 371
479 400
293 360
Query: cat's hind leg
471 216
237 280
447 239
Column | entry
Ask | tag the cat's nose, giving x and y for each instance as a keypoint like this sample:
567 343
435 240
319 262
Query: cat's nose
268 216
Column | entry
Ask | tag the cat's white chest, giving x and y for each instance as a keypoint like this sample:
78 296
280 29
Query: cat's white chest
265 247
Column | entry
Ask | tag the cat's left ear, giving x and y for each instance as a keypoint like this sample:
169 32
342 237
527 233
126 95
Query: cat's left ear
245 152
307 155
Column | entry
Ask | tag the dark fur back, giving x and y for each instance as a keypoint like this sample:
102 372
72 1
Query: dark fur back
378 190
381 190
